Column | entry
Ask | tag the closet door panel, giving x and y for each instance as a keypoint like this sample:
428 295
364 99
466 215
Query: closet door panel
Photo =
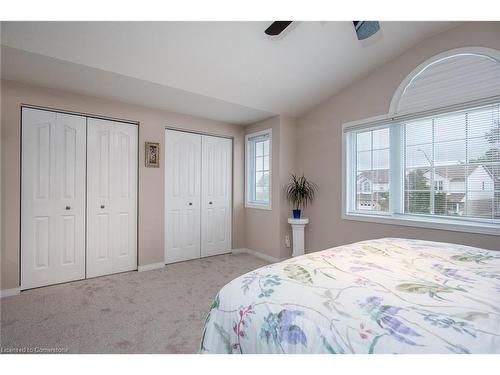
124 199
111 197
99 239
216 195
70 185
182 196
103 244
52 198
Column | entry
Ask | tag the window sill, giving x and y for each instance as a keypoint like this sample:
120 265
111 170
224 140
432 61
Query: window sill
426 222
258 206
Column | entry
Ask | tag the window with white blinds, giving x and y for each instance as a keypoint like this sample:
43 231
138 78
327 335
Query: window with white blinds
372 170
451 164
438 168
258 169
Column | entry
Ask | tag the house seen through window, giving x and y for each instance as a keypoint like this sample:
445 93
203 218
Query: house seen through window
444 165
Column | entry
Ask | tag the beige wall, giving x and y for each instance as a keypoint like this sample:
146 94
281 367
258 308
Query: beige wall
287 165
265 230
262 226
151 180
319 143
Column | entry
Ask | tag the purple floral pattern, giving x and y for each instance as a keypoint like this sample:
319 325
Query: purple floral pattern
381 296
387 319
279 328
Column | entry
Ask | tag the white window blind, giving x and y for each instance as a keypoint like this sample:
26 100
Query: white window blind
460 78
457 154
258 174
372 170
438 167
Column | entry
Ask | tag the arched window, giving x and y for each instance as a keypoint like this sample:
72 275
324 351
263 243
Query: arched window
455 77
437 151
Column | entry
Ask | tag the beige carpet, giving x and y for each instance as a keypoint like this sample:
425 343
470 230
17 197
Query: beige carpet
160 311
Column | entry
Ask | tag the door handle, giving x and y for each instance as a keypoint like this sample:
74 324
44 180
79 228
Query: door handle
102 206
209 202
190 203
68 207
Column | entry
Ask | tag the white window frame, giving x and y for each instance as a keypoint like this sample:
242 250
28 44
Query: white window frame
396 215
248 202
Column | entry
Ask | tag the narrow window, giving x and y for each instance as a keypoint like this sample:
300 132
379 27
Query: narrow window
258 169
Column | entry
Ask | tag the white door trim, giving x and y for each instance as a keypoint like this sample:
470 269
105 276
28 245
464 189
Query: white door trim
83 114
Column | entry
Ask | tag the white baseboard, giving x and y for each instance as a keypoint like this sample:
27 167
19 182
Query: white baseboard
9 292
150 267
257 254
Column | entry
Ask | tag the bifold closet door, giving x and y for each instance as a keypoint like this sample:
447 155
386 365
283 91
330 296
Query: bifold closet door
52 198
216 196
111 197
182 195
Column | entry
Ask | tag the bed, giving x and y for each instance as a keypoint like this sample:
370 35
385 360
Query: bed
387 295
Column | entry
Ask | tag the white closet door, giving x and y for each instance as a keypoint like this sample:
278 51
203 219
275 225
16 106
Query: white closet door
111 197
182 195
53 198
216 195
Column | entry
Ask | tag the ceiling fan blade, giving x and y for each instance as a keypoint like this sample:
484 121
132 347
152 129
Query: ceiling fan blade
365 29
277 27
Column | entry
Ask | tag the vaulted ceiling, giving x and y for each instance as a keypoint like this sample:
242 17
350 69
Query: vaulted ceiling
227 71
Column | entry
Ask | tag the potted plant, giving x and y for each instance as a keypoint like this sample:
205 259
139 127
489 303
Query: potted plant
300 192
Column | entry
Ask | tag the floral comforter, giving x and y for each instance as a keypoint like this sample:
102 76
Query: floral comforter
388 295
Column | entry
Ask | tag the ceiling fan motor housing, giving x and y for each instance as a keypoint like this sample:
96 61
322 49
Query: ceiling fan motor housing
365 29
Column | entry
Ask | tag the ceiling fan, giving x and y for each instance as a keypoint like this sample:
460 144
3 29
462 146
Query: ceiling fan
364 29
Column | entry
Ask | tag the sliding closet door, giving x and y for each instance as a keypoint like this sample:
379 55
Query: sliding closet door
111 197
182 195
216 184
52 198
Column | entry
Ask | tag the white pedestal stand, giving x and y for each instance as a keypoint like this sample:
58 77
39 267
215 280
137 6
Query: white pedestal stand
298 226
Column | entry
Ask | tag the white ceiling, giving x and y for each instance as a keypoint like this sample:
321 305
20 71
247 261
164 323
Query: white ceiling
227 71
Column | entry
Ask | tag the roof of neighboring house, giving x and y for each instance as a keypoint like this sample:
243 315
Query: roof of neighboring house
450 172
378 176
453 172
459 172
493 171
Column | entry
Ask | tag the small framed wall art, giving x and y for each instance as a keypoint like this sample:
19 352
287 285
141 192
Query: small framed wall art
152 154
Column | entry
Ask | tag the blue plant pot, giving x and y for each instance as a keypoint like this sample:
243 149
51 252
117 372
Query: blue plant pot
296 214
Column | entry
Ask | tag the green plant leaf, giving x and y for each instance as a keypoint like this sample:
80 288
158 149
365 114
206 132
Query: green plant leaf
327 345
478 258
416 288
374 250
225 338
215 302
472 315
298 273
300 192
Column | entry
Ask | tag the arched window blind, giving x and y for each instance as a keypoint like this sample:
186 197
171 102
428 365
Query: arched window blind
449 80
